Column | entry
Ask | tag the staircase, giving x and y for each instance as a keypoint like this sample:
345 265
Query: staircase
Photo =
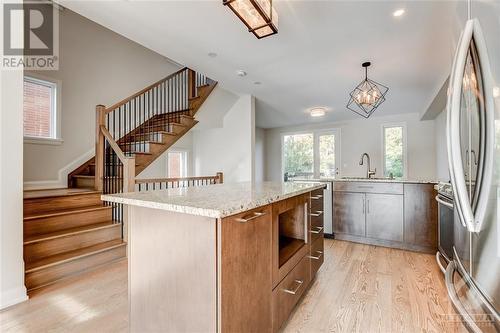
146 124
69 231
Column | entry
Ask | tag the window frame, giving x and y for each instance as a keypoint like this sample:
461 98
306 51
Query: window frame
184 168
337 131
55 112
405 146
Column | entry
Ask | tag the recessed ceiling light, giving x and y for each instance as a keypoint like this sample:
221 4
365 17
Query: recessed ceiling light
317 112
257 83
241 73
212 54
398 13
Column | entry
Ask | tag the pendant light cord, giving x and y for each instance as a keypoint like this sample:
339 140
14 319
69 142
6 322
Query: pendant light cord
469 9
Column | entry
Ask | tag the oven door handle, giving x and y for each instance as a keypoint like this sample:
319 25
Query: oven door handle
441 201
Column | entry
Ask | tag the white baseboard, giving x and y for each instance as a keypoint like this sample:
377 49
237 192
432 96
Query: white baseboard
62 178
12 297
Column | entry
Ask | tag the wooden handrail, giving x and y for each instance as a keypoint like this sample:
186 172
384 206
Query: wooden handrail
171 180
137 94
119 152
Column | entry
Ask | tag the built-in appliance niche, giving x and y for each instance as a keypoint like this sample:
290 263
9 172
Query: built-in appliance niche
292 232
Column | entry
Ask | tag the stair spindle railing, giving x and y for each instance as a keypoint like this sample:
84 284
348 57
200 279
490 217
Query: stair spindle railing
124 129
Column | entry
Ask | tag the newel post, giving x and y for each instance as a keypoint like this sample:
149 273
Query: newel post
191 83
220 178
100 111
129 175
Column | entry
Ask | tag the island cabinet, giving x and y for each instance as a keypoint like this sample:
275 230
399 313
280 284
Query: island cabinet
197 269
399 215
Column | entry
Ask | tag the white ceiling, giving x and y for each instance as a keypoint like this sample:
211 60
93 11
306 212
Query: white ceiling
314 60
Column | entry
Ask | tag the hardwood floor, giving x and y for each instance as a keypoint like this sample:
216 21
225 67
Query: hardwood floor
360 288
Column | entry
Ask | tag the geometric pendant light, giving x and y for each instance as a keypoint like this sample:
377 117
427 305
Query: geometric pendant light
367 96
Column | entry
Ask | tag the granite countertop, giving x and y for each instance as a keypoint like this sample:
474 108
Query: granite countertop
215 201
373 180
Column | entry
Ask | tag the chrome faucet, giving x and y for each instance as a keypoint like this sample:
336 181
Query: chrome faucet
369 173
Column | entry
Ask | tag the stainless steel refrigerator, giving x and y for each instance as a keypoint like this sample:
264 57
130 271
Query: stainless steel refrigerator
473 142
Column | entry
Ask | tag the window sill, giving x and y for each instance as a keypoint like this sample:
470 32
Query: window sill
43 141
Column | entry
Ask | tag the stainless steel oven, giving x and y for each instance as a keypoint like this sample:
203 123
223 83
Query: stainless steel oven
446 215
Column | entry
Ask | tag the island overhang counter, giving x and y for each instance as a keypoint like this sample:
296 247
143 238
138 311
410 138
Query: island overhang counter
220 258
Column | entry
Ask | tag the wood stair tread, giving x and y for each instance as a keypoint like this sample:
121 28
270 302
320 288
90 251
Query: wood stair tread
66 211
72 255
84 176
59 192
71 231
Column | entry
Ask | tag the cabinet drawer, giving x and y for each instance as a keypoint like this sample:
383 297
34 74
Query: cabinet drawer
288 292
317 218
368 187
317 200
317 255
316 233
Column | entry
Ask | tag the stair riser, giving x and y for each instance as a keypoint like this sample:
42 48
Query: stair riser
84 182
47 205
52 274
42 249
61 222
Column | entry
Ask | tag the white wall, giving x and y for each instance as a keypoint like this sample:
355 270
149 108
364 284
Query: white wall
97 66
259 154
365 135
158 169
229 149
12 289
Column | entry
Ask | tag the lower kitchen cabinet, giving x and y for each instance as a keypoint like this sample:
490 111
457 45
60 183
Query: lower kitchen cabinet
384 216
388 214
349 213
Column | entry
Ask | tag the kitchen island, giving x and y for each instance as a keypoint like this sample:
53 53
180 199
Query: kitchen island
227 257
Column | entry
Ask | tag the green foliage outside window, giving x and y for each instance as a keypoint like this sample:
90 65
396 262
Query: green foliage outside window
327 156
393 141
298 155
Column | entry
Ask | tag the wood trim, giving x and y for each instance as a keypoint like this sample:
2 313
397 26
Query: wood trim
128 99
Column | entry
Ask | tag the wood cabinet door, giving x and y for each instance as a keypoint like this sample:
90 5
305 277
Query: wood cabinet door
384 216
349 213
246 271
421 215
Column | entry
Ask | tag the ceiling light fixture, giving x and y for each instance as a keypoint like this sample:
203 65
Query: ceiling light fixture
258 15
257 83
241 73
398 13
212 54
317 112
367 96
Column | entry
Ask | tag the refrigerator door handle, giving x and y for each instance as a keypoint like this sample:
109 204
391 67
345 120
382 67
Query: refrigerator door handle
472 220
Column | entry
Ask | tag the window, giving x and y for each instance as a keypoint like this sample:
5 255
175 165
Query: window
298 160
394 148
311 155
327 168
40 109
177 164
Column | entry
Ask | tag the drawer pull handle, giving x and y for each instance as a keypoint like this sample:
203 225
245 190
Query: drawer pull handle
318 213
320 254
294 291
365 186
247 219
316 197
317 231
